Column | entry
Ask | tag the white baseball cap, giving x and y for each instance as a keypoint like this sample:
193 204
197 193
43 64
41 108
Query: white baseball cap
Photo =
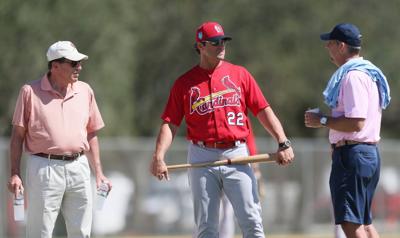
64 49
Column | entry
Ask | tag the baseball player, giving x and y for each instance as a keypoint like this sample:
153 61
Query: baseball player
214 97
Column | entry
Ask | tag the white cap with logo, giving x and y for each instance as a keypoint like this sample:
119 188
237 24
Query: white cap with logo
64 49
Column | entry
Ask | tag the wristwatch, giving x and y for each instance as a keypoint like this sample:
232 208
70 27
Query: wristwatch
284 145
323 120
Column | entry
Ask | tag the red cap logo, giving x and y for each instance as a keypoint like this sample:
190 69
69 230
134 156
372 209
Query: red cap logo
210 31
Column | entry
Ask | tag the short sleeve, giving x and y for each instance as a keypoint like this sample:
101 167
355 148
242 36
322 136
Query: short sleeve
174 111
354 91
255 99
95 122
23 107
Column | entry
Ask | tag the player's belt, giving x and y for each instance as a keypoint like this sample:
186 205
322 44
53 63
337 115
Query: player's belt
68 157
350 142
219 144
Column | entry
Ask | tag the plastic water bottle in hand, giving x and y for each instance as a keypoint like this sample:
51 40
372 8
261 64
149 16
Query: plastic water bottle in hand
101 196
19 210
314 110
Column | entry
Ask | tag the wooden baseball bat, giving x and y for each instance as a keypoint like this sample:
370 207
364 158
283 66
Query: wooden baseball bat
264 158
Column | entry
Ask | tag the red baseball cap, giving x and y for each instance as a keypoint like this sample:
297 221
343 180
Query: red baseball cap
211 31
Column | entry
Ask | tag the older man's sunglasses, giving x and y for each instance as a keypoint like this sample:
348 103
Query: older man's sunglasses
72 63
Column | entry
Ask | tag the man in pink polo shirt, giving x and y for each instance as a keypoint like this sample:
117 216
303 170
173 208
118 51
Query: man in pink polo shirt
356 93
57 119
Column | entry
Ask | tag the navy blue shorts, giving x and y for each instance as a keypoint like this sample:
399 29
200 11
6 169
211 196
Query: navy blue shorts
354 177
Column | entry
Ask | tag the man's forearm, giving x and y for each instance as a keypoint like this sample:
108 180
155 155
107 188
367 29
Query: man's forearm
345 124
272 124
15 159
164 139
16 148
94 153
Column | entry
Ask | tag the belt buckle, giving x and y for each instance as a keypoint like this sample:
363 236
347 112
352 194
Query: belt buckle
351 142
341 143
72 156
75 155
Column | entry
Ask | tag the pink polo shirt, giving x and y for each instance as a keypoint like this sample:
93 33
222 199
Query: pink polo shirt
358 98
56 125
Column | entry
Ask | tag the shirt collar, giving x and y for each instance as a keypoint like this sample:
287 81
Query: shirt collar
46 86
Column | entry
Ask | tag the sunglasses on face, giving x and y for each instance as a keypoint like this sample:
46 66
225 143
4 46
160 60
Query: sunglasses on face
220 42
72 63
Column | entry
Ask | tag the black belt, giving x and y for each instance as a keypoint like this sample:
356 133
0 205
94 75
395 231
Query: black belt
69 157
350 142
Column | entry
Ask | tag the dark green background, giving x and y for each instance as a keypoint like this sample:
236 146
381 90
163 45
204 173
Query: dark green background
138 48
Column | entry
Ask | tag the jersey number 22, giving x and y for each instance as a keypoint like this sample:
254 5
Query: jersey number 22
235 119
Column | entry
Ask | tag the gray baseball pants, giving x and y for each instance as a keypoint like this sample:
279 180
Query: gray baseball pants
236 181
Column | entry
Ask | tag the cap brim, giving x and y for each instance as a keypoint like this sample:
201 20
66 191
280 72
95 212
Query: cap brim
76 57
325 36
217 38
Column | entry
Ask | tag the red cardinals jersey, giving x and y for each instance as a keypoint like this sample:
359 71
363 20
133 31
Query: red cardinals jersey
214 103
251 141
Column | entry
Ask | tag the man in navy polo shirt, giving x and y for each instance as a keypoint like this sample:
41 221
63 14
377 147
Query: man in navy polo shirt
356 93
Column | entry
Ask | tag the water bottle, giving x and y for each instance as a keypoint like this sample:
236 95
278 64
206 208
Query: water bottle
101 196
19 210
313 110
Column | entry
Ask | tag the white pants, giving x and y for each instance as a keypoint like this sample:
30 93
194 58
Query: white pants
54 185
